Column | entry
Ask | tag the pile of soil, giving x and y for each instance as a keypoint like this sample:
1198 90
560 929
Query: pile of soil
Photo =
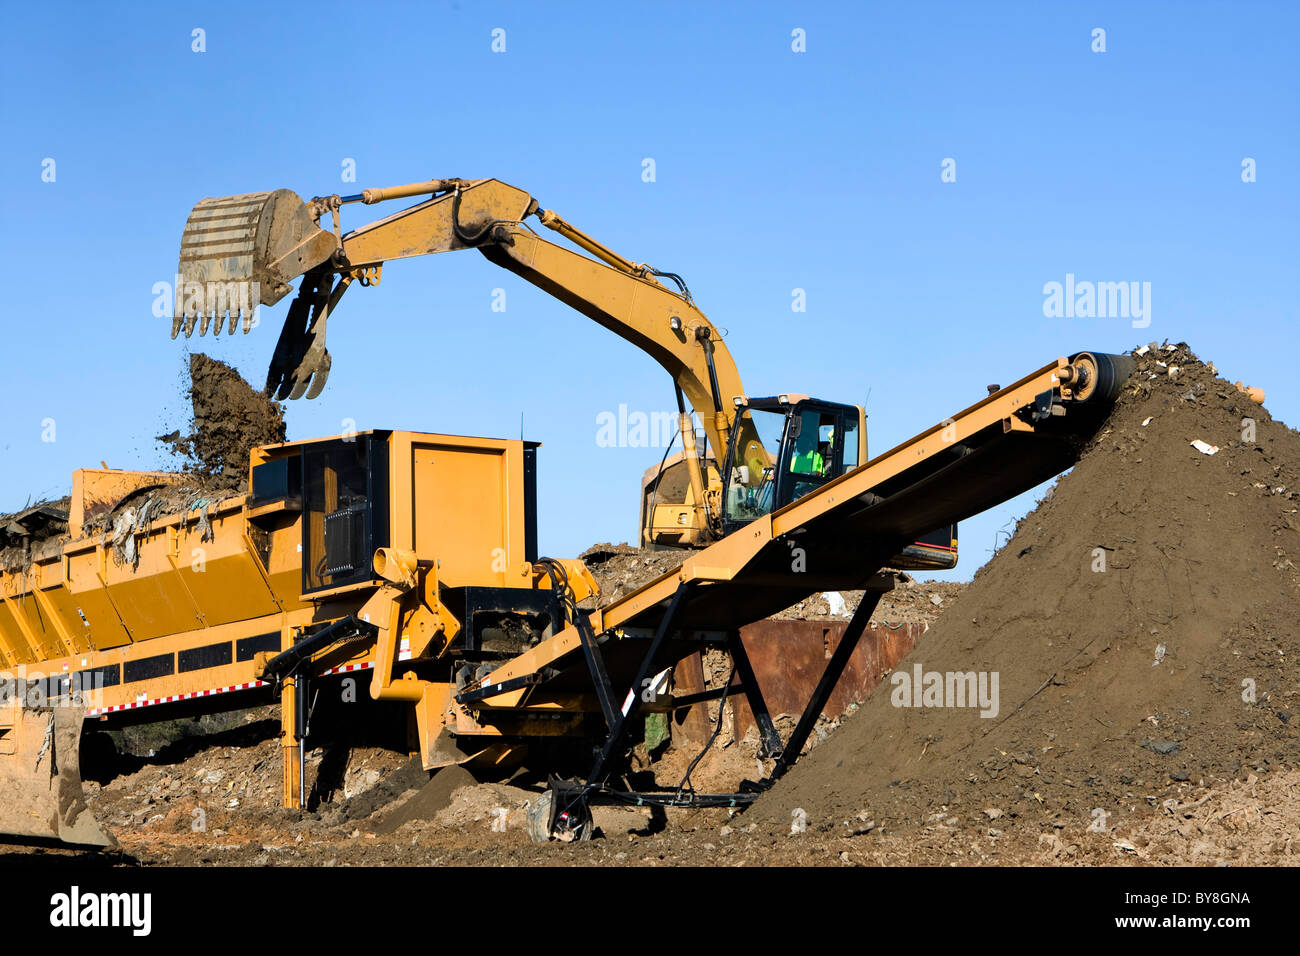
620 569
230 418
1144 625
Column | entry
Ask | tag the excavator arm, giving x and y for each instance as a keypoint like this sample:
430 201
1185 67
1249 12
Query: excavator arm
263 237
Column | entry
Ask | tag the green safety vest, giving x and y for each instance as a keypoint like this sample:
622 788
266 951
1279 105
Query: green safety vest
809 463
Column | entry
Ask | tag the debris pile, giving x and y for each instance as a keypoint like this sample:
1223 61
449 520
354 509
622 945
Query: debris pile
620 569
28 534
1135 641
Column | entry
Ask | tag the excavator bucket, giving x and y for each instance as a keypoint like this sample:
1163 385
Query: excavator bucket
40 777
239 252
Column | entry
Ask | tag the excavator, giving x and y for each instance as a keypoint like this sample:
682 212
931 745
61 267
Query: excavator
411 559
689 500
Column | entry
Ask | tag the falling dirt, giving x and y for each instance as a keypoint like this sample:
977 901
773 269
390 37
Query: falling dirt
230 418
1144 627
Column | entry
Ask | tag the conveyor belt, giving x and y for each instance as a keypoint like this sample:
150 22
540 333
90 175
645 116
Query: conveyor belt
848 529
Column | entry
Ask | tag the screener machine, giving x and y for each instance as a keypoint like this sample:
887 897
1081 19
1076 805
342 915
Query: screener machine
409 562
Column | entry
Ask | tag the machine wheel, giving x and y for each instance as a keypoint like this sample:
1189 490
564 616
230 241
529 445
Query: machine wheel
576 825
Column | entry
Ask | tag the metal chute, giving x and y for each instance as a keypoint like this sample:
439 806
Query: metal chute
40 776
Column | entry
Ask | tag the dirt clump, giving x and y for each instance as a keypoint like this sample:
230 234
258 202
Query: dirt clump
1143 627
230 418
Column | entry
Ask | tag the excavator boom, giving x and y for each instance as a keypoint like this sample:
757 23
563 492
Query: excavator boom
263 237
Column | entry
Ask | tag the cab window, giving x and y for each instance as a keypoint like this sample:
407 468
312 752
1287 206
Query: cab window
756 443
850 443
814 451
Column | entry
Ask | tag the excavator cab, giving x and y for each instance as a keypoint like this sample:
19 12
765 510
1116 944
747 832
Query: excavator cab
783 448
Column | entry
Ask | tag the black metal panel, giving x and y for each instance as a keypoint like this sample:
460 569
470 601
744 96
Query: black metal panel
110 675
246 648
147 668
468 602
199 658
345 519
277 479
345 541
56 685
530 501
377 453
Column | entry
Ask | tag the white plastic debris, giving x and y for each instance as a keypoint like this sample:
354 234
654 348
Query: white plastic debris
1160 655
1142 351
1203 448
1148 421
835 601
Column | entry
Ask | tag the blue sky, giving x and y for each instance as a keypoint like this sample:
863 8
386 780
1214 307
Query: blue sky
775 170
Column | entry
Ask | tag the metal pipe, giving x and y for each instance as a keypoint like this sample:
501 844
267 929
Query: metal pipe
372 196
579 238
694 468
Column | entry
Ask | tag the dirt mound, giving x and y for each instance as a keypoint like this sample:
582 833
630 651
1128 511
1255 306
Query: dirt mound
620 569
1142 627
230 419
426 802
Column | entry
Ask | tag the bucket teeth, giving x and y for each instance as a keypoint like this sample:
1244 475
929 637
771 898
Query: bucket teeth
214 320
239 252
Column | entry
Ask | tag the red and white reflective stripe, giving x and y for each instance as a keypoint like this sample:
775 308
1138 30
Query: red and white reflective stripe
250 685
345 668
146 702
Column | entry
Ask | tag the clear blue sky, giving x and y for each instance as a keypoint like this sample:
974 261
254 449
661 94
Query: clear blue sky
775 170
